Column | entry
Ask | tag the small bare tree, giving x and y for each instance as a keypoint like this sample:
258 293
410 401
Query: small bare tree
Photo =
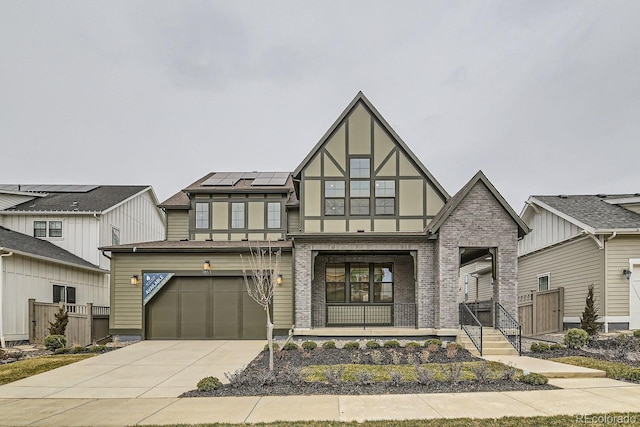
260 279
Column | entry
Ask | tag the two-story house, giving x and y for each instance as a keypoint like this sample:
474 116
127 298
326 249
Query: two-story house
371 245
53 233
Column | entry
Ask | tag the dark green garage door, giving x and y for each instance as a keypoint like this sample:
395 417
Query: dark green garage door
204 308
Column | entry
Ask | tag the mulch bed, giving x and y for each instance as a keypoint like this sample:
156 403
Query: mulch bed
256 380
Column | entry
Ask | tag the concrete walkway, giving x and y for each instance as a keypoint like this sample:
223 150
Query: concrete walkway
547 368
593 395
144 369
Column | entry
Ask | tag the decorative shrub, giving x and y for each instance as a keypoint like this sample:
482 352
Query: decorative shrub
329 344
433 341
539 347
61 350
556 346
76 349
376 357
309 345
209 384
576 338
636 333
351 345
276 347
590 315
59 326
396 358
290 346
54 342
412 345
391 344
452 350
534 379
372 344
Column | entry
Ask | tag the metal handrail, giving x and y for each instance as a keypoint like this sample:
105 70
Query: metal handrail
468 320
509 326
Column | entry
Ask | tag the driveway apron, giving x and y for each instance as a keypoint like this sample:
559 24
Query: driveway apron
145 369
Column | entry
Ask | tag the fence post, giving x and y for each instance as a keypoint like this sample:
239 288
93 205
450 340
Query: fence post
32 320
534 316
90 322
561 309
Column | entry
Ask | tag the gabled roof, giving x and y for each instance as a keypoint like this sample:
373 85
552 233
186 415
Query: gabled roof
87 199
361 98
592 213
180 200
12 241
453 203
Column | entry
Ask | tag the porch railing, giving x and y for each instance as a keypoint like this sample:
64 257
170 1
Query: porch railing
509 326
471 325
403 315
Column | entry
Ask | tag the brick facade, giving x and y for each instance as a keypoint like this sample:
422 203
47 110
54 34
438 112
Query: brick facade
478 221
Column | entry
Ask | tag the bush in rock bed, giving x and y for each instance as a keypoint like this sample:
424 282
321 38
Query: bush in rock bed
412 345
372 344
290 346
351 345
534 379
309 345
391 344
329 344
576 338
636 333
276 347
556 346
54 342
209 384
433 342
539 347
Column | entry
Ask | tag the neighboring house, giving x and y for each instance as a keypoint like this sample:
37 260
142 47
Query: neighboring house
78 219
34 268
579 240
371 245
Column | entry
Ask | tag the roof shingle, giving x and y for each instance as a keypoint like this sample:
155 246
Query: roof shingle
594 211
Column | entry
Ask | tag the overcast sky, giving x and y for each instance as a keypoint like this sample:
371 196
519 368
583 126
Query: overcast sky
543 96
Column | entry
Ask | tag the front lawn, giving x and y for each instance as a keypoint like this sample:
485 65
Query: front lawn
614 370
15 371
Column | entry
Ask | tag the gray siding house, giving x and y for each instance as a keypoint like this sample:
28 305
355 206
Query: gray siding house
582 240
372 245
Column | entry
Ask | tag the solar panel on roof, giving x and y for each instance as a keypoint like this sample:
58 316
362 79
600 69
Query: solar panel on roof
228 178
47 188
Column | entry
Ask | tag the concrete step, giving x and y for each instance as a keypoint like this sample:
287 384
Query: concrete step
493 343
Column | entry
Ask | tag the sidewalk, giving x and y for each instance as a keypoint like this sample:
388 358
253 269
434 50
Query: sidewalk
547 368
595 395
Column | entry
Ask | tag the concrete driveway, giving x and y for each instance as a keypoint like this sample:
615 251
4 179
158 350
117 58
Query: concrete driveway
145 369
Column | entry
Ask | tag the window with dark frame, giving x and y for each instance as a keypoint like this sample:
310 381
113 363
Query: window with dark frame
543 282
237 215
273 215
55 228
65 294
367 282
39 228
360 197
385 194
202 215
334 194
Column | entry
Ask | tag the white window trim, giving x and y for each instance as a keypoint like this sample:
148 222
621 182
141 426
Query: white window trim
47 222
548 276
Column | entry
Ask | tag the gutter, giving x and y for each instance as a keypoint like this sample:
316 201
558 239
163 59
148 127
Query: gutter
2 342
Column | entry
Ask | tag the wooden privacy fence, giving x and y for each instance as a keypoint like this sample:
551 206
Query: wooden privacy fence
87 323
541 312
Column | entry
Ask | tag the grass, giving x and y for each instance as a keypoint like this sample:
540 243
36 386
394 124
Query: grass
555 421
614 370
25 368
408 372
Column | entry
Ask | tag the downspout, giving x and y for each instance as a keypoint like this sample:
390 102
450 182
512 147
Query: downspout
2 342
606 279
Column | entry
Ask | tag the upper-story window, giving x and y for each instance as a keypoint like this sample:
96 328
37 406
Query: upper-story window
360 192
202 215
359 168
334 194
237 215
273 215
40 228
115 236
385 193
543 282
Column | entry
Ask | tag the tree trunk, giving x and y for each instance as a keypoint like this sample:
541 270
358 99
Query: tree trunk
270 339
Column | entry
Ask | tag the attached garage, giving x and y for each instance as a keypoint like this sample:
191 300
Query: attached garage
204 308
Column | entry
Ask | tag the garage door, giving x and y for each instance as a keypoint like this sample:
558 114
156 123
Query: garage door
204 308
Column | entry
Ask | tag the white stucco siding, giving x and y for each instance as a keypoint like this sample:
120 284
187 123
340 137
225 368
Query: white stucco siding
26 277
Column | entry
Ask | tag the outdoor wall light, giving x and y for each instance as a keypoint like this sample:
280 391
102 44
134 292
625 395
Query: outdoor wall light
279 279
134 280
626 273
206 267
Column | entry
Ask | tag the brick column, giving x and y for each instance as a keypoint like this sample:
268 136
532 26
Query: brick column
303 285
